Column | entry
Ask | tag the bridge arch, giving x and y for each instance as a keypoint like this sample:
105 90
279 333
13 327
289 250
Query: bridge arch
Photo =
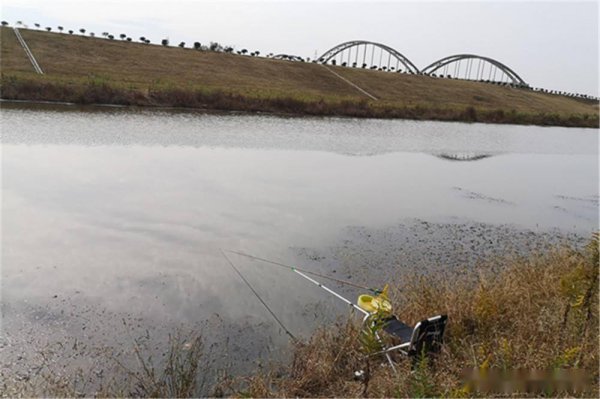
361 47
485 69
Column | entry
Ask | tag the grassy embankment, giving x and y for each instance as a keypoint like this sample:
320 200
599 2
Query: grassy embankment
98 71
539 312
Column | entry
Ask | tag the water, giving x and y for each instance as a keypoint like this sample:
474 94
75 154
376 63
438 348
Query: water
121 214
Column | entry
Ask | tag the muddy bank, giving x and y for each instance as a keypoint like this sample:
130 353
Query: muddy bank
71 333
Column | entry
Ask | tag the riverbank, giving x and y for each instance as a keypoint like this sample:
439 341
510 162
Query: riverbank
533 312
538 312
90 70
90 93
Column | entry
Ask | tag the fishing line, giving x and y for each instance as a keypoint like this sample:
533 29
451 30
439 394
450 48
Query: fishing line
292 268
259 298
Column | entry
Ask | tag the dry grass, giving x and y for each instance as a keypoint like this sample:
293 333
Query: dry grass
138 71
539 312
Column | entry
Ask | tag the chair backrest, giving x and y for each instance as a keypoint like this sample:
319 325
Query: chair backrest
428 336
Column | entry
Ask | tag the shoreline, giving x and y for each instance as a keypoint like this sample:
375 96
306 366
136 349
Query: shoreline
111 334
104 95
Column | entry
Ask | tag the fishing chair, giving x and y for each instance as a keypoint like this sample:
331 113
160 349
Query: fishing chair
425 338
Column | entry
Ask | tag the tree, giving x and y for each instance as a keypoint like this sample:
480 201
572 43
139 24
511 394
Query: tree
197 45
70 32
182 44
92 34
60 28
147 41
142 39
82 31
165 42
228 49
4 23
37 25
48 28
244 51
257 52
122 36
215 46
105 34
333 62
344 64
128 39
364 65
19 23
111 37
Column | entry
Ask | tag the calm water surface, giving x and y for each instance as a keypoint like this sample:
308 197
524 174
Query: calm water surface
117 213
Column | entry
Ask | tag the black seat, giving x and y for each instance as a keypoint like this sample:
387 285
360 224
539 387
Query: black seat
398 329
426 337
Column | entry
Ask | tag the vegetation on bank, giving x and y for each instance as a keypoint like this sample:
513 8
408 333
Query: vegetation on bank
534 313
95 92
85 70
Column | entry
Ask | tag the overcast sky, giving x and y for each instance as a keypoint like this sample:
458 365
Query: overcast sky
550 44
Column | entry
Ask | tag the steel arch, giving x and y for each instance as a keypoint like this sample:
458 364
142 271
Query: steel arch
329 54
516 79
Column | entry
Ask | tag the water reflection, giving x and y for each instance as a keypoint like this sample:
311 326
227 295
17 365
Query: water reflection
119 213
463 157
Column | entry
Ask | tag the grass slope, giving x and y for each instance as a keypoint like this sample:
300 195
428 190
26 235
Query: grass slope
142 74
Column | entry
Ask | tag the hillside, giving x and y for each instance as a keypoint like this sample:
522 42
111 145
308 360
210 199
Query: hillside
141 74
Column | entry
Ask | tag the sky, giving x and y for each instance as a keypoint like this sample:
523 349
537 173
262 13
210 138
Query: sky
549 44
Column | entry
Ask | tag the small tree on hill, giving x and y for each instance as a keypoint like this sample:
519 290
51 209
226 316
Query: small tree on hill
142 39
111 37
60 28
37 25
165 42
244 51
147 41
4 23
122 36
333 62
82 31
70 32
182 44
48 28
92 34
197 45
128 39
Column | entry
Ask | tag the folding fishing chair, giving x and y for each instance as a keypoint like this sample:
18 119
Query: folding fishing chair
425 338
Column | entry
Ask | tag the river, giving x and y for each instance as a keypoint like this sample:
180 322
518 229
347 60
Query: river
113 220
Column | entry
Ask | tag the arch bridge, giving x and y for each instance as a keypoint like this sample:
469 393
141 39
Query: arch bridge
373 55
474 67
369 55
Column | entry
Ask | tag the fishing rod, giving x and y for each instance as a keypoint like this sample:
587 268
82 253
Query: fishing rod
302 274
295 269
288 332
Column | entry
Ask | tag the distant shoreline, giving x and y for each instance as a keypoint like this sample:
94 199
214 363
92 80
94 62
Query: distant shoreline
105 95
89 70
